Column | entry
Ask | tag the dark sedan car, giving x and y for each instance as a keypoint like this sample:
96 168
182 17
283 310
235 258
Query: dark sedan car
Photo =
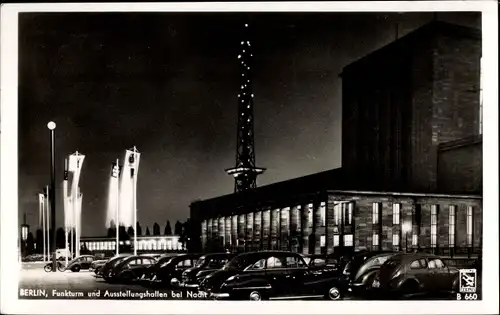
272 275
149 275
110 264
409 274
79 263
169 271
362 269
130 269
206 265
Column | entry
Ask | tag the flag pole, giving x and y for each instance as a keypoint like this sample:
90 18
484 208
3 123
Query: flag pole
42 205
117 224
65 197
47 221
74 223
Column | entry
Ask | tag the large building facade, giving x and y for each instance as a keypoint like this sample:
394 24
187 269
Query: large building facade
411 173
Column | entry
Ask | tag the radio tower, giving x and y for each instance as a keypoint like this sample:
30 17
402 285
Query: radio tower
245 172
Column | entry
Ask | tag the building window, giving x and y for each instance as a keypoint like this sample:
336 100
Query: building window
336 214
375 240
375 213
395 239
322 210
310 215
350 208
336 240
348 240
470 226
451 226
434 211
322 241
415 240
396 213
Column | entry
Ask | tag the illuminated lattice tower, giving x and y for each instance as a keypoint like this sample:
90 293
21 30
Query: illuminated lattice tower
245 172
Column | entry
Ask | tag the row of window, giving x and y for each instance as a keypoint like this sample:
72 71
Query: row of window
396 213
161 244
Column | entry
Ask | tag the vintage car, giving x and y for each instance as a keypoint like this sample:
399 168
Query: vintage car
272 275
149 275
205 265
130 269
96 265
411 274
79 263
110 264
169 273
362 269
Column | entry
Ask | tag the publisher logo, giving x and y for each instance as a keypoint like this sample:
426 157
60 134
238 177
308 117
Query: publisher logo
468 281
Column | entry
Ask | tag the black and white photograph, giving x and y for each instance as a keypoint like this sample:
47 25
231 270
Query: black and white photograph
210 154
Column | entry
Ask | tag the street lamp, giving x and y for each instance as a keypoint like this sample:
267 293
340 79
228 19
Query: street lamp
52 193
407 228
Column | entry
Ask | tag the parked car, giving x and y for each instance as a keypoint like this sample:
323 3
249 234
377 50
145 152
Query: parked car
149 274
205 265
96 265
168 272
362 269
272 275
130 268
409 274
110 264
80 262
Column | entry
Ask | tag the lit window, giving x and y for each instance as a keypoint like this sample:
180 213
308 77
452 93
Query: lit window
336 240
395 239
348 240
375 213
415 240
433 225
322 241
470 227
350 210
395 213
310 214
322 210
451 226
375 240
336 214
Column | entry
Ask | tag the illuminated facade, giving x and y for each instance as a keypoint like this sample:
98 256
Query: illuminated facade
144 244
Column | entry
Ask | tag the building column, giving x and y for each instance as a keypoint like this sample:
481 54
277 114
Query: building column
203 235
222 234
257 232
285 228
227 233
210 237
241 232
295 229
275 222
306 223
234 233
330 226
215 234
266 229
317 227
249 232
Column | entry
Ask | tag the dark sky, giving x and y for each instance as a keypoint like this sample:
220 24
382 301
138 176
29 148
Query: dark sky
168 83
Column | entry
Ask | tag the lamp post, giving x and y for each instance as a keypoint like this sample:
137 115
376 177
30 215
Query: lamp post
52 193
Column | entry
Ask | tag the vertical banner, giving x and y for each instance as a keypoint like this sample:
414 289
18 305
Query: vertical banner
113 195
41 201
75 167
127 183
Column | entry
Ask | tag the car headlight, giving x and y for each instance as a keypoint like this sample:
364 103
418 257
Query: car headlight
231 278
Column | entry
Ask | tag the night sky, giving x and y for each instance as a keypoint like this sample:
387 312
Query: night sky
168 84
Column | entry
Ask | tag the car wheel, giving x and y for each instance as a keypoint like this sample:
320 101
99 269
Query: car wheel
255 296
409 287
97 270
334 293
75 269
48 268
